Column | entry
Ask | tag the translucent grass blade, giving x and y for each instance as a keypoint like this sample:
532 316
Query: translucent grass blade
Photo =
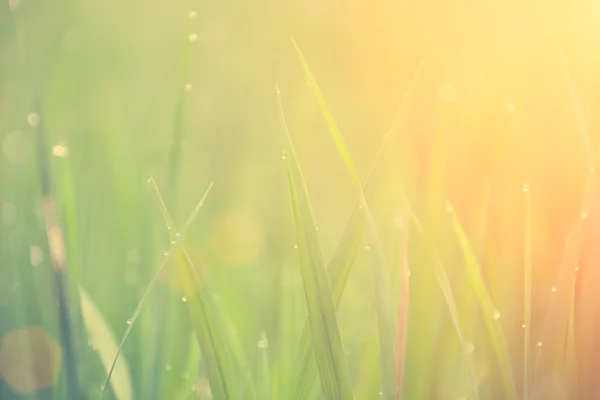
165 261
444 283
403 307
103 341
214 343
263 369
386 318
490 314
326 340
527 295
341 263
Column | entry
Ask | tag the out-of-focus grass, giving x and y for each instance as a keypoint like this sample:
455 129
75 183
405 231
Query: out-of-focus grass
132 90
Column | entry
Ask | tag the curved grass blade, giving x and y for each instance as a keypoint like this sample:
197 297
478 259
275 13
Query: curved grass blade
326 340
341 262
444 283
214 343
490 314
103 340
385 317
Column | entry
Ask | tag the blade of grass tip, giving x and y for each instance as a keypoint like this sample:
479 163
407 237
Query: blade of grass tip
103 341
342 260
444 284
166 258
212 340
386 318
326 339
168 315
490 314
527 284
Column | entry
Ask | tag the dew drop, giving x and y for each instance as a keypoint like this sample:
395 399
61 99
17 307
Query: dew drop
295 246
283 157
129 321
496 314
584 215
188 87
184 299
576 269
449 208
193 37
60 151
553 289
263 342
523 326
33 119
192 15
525 188
539 344
367 247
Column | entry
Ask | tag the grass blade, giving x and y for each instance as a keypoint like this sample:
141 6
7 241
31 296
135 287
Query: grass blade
490 314
263 370
102 339
403 307
341 262
527 310
386 319
214 343
329 353
444 283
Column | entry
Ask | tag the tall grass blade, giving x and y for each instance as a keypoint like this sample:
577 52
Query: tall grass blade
214 343
326 340
527 302
386 319
490 314
444 283
103 341
342 260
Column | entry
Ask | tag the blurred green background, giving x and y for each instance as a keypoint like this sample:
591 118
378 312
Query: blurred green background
109 78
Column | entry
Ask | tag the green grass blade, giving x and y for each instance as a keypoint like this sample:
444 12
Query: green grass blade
527 310
444 283
103 341
214 344
342 260
386 319
326 340
263 369
490 314
339 269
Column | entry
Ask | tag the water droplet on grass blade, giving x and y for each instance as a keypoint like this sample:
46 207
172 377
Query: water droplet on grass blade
193 37
192 15
33 119
496 314
129 321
